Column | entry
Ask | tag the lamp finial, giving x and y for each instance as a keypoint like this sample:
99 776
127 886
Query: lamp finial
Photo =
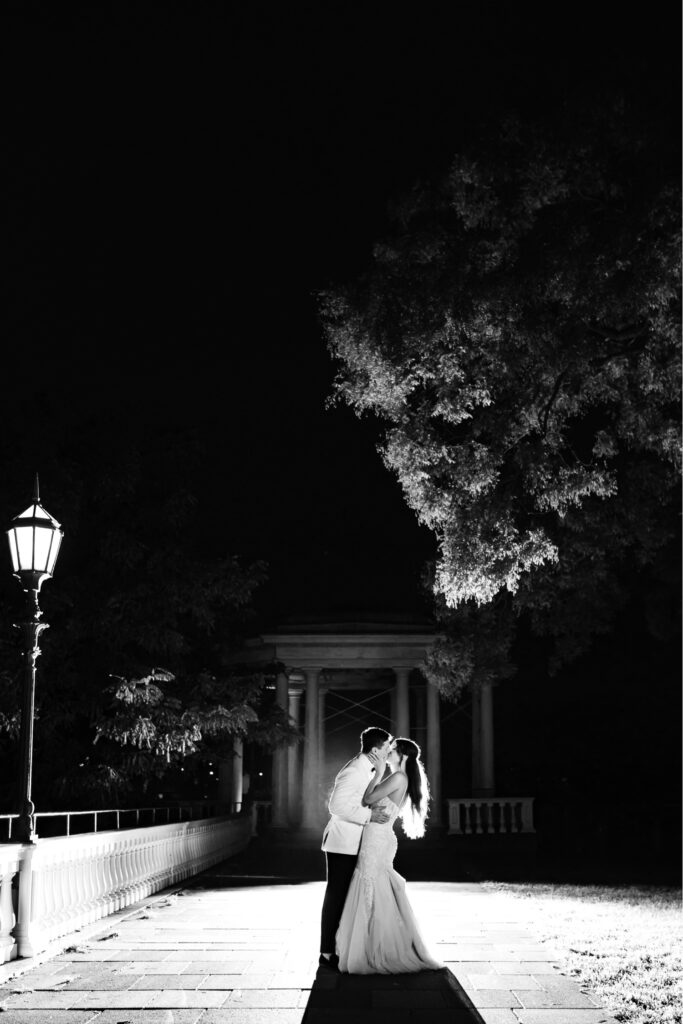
36 494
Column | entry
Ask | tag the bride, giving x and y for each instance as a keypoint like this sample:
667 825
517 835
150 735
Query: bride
378 933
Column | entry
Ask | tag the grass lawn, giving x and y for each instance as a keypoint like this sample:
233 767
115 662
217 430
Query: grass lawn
621 943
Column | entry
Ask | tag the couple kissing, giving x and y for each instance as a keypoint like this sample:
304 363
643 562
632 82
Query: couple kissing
368 925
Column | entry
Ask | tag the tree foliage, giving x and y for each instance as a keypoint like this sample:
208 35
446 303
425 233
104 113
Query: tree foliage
518 337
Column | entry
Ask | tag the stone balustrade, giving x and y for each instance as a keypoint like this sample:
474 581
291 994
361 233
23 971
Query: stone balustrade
10 861
67 882
495 815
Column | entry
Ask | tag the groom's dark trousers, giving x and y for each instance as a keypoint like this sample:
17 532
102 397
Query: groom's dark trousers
340 867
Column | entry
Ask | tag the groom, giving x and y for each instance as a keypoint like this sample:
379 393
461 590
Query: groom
341 839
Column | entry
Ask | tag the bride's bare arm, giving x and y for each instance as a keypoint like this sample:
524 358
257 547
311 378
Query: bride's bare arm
376 791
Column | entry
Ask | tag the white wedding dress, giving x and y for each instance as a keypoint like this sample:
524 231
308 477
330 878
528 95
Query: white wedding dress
378 933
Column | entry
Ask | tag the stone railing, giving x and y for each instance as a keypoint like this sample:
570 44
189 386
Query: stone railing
261 815
56 823
495 815
67 882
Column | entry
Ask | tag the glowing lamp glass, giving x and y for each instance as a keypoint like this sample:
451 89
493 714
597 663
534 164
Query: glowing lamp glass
34 540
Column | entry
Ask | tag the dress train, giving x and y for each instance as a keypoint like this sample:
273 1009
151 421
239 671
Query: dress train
378 932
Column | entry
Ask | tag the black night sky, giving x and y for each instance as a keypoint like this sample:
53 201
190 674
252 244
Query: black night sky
182 180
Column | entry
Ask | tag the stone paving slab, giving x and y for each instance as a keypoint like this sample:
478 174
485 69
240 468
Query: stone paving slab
565 1016
248 955
147 1017
57 1017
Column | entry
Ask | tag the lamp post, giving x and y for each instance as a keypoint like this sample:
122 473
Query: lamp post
34 539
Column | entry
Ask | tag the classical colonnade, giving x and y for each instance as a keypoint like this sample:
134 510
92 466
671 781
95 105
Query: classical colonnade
306 784
359 668
348 661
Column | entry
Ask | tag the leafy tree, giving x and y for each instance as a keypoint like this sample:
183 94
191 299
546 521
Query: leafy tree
140 669
518 337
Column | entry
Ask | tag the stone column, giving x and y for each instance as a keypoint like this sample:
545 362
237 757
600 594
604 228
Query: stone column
487 779
230 771
237 772
476 742
402 721
322 693
280 759
434 753
311 786
419 724
293 760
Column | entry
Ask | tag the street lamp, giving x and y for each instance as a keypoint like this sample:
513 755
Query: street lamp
34 539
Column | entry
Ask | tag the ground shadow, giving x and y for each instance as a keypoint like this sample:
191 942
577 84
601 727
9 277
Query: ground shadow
428 997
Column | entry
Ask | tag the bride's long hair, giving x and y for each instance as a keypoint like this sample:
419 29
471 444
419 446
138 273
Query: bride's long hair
416 807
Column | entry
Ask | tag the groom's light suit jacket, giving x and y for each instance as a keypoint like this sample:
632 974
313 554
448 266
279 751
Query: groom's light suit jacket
345 827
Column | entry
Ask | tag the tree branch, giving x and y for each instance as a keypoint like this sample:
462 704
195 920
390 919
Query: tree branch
549 404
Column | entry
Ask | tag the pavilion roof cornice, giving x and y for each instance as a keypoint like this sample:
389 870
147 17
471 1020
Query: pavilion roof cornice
349 639
337 650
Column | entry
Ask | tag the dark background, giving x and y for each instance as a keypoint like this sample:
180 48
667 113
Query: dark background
182 179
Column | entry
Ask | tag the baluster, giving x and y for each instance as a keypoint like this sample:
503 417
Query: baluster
131 870
181 859
192 847
79 884
111 876
141 857
115 871
126 864
170 854
104 880
69 911
154 863
62 909
139 867
44 901
93 875
516 816
182 866
122 870
40 898
8 946
527 813
160 851
148 867
72 896
91 868
200 848
164 853
101 880
127 868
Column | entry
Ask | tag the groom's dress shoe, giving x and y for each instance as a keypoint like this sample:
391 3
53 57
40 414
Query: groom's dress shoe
330 962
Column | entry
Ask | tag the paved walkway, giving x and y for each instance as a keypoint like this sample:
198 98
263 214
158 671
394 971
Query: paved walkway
247 954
